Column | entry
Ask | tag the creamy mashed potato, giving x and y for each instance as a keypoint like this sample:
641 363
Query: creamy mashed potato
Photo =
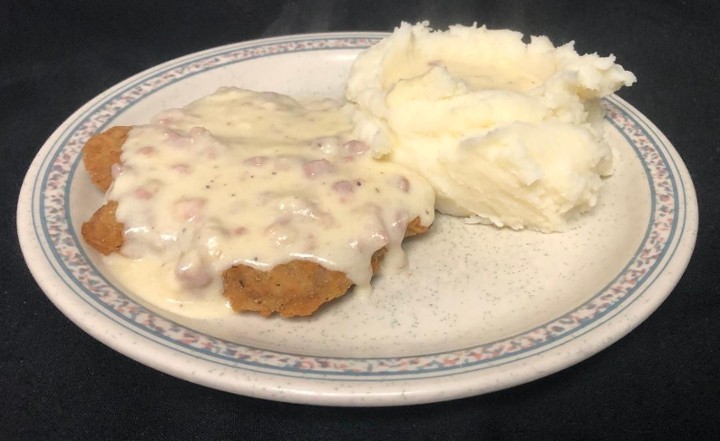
507 133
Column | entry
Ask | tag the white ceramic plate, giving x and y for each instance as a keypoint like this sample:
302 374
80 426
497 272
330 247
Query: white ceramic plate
479 309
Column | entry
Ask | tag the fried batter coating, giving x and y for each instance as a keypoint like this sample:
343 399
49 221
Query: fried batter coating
101 152
415 227
297 288
103 231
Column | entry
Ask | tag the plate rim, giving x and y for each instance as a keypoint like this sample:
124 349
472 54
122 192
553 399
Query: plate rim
405 392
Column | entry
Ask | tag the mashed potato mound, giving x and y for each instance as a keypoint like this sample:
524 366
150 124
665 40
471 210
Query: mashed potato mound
507 133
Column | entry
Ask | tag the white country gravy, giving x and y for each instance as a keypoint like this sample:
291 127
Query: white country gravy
257 179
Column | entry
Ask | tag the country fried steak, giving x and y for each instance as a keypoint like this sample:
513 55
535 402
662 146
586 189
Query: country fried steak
295 288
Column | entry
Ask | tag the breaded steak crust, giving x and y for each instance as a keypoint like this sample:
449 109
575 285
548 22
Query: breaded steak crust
101 152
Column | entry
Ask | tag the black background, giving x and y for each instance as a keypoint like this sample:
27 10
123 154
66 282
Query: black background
56 382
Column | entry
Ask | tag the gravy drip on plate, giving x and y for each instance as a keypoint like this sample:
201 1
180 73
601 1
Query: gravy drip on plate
257 179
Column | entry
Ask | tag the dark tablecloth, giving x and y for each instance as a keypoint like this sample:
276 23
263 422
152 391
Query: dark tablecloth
56 382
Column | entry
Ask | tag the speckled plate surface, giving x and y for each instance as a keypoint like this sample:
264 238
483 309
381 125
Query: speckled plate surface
478 310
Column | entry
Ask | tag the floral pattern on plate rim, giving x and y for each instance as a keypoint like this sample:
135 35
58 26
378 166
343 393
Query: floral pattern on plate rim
61 244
